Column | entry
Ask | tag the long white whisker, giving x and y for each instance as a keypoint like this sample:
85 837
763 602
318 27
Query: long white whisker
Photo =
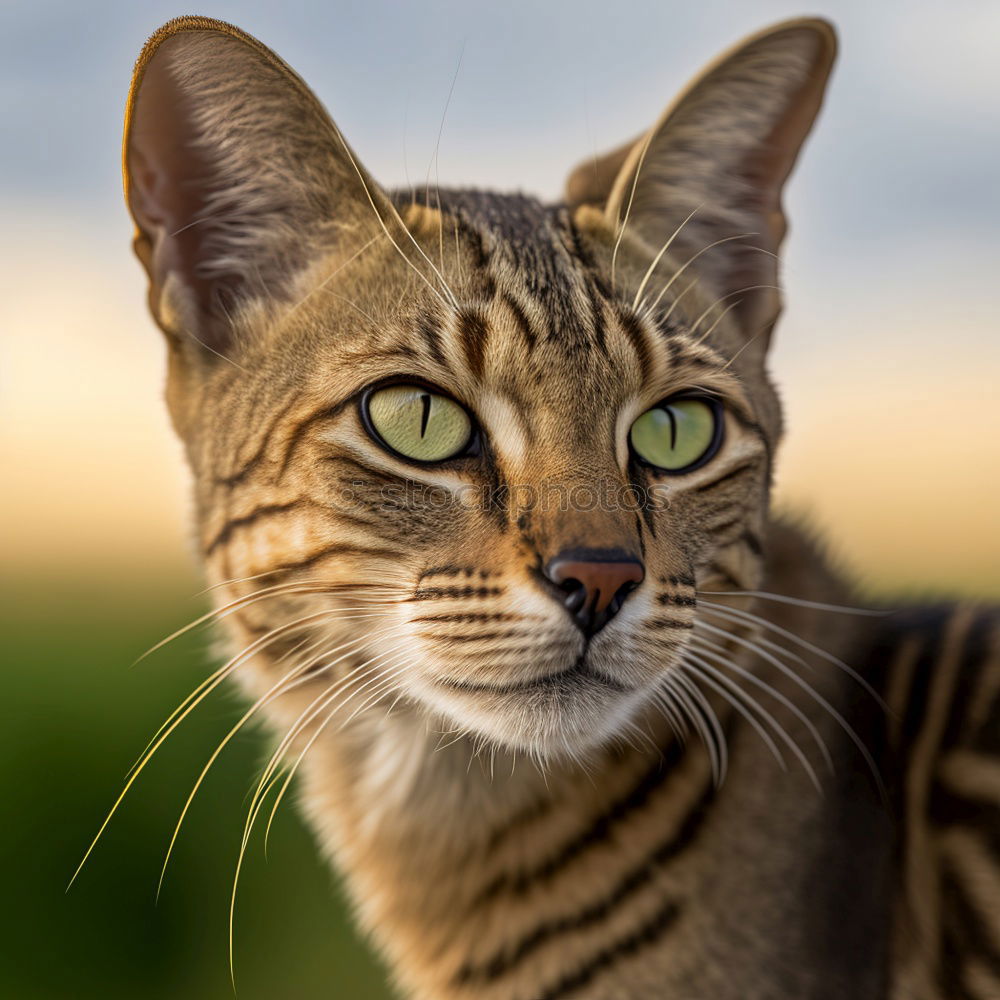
720 758
350 260
392 208
216 679
437 149
783 733
677 300
814 694
705 645
290 680
797 601
628 207
252 817
723 686
278 590
285 684
209 680
656 260
719 301
738 615
324 697
678 722
691 260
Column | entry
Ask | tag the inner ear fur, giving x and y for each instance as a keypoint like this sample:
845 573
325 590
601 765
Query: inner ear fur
236 177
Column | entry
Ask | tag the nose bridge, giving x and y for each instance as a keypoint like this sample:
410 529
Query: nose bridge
570 488
583 507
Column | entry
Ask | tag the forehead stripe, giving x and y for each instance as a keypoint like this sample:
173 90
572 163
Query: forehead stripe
428 330
474 333
522 321
637 337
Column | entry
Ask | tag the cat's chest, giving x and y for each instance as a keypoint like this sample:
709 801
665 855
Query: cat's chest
763 891
656 884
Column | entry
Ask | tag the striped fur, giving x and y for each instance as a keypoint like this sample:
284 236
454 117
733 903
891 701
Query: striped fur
517 810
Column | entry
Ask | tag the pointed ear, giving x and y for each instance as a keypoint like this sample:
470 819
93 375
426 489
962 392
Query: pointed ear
235 176
723 151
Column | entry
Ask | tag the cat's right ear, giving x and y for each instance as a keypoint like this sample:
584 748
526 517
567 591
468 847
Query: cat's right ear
236 177
709 174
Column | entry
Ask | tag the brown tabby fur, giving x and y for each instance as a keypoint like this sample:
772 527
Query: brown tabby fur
513 810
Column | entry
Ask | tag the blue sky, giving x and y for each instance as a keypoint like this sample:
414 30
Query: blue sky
910 136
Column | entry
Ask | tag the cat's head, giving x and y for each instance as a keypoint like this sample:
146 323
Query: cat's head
462 448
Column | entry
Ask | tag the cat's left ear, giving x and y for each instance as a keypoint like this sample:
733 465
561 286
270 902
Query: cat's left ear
237 179
723 152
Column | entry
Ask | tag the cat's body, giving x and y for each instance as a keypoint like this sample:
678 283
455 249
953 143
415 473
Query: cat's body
501 781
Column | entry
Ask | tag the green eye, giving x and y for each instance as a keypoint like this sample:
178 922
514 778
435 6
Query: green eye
417 423
678 435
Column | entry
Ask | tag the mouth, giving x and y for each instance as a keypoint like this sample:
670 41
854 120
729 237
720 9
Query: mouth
567 680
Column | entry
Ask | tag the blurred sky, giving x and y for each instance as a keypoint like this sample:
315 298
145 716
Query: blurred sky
887 355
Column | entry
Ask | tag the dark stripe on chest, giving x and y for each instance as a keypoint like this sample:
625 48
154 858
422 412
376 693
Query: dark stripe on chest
633 881
518 883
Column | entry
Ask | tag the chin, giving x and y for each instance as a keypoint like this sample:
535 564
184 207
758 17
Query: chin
569 714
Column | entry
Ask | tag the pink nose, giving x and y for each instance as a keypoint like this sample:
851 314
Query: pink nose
596 583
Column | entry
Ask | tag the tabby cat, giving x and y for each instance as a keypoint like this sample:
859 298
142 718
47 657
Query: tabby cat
482 491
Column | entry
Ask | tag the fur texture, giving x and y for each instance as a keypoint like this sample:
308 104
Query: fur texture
513 800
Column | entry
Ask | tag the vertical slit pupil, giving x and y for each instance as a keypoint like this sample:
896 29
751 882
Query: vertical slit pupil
425 401
673 428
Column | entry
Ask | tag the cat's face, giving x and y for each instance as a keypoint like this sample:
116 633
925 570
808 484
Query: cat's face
475 456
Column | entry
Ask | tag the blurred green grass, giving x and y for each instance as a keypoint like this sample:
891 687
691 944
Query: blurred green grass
76 718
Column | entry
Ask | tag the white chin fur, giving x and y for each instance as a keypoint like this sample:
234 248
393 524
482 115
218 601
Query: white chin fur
565 720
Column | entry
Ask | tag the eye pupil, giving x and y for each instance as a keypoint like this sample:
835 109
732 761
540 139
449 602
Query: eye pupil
425 399
673 428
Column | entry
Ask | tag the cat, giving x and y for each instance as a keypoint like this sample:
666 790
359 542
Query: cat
482 489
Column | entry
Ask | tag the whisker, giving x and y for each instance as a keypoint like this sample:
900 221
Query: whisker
677 300
704 645
738 614
781 731
656 260
278 590
208 680
721 299
674 715
797 601
723 687
718 319
350 260
381 685
392 208
324 696
717 746
690 261
250 822
283 686
364 314
215 680
628 207
815 695
437 149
